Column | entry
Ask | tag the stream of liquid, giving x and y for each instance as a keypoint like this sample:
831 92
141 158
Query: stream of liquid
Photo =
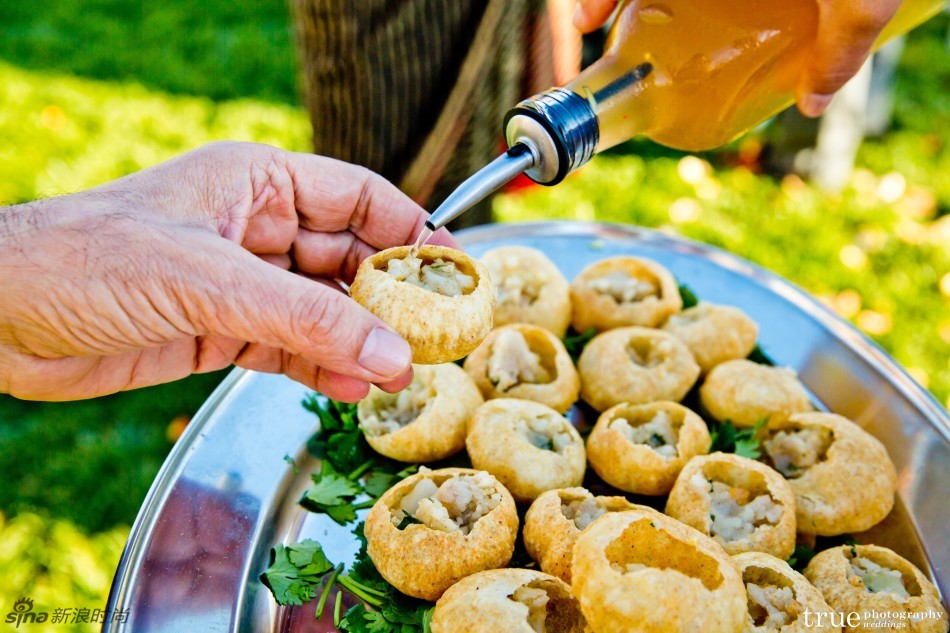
421 240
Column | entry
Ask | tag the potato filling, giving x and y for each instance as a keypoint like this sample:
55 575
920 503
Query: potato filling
623 288
393 411
659 433
877 578
514 288
582 512
795 450
548 432
537 602
454 506
771 607
512 362
440 276
648 353
735 512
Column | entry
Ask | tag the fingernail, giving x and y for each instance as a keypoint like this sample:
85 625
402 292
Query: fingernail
578 12
385 353
814 104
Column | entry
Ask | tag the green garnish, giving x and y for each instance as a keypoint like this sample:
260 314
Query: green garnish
744 442
407 521
656 440
760 357
295 572
575 343
801 557
688 296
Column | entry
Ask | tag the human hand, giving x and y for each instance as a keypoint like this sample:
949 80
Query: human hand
190 266
847 30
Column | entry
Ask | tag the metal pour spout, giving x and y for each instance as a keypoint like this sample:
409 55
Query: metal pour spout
519 158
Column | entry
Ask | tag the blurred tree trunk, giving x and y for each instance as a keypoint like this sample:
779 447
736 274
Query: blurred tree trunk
415 90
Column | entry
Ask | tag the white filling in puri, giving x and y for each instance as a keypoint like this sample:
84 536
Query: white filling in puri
453 506
659 433
794 451
548 432
582 512
878 579
394 411
440 276
514 286
734 513
512 362
537 601
771 607
623 288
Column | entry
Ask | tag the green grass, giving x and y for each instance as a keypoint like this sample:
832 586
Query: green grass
223 49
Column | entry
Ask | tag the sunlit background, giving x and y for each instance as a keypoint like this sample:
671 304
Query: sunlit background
90 91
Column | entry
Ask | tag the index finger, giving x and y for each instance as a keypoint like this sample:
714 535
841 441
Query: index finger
332 196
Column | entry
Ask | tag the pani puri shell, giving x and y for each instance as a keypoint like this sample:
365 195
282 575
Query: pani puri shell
744 393
851 484
541 353
438 429
692 502
550 534
635 365
597 308
439 328
423 562
714 333
833 573
509 600
639 467
786 591
639 571
529 447
529 288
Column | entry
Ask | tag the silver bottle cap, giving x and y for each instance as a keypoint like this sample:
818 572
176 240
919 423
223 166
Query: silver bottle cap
560 127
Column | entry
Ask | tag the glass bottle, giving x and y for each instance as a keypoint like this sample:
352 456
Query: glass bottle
689 74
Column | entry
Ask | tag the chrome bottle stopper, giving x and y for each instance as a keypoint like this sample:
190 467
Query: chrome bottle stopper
548 136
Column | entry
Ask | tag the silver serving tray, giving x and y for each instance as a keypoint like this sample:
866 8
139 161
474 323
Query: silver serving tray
225 494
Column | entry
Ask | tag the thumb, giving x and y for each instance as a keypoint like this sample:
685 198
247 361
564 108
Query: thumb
846 33
260 303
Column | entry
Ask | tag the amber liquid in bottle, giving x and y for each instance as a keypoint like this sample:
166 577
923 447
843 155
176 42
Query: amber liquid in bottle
706 70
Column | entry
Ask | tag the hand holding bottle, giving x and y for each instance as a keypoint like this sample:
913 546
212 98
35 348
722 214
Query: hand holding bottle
847 29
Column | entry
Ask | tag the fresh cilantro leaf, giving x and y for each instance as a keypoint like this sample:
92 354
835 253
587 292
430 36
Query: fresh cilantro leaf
308 557
331 489
347 450
747 441
723 437
688 296
407 521
576 342
355 620
295 572
801 557
339 439
743 442
760 357
361 537
402 609
379 481
365 573
332 494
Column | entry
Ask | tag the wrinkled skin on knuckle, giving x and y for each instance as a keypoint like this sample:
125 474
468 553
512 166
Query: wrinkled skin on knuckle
321 320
